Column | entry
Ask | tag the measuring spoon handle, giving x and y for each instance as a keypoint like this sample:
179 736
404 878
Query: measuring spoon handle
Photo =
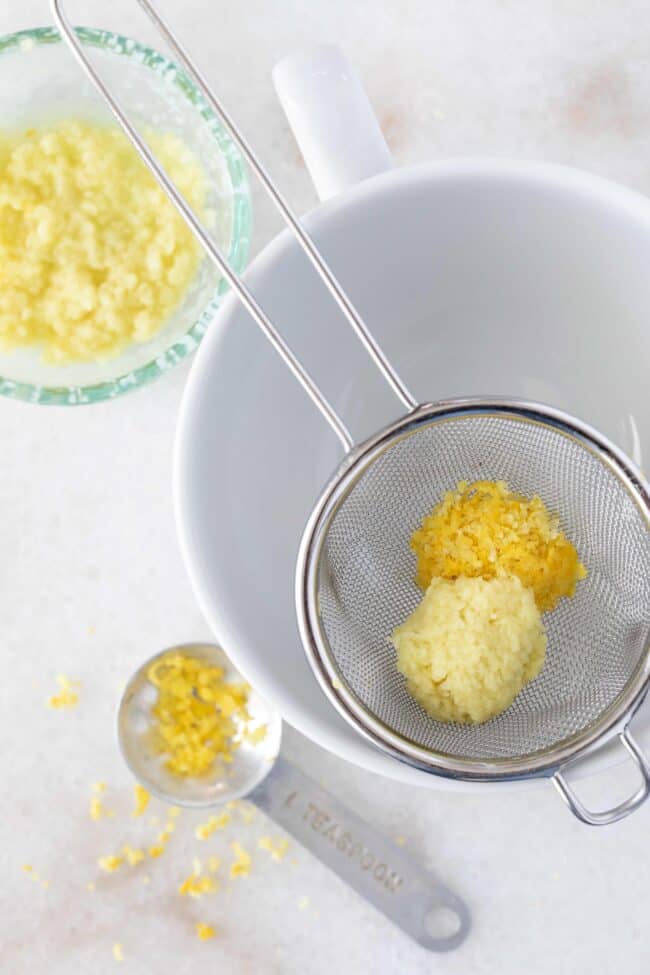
411 897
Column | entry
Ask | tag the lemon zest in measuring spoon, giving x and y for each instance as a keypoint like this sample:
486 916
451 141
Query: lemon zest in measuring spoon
196 715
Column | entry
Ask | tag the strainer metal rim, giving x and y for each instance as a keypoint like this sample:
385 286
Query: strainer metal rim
542 763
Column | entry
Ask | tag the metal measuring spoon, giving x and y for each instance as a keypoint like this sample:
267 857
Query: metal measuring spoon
411 897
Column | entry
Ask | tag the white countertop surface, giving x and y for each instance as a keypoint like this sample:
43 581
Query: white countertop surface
92 582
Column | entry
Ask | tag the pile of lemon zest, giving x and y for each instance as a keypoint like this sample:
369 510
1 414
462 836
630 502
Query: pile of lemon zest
118 951
142 798
204 931
67 696
482 530
276 850
111 862
242 864
197 714
204 830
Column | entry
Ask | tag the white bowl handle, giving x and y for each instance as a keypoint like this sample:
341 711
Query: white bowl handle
332 119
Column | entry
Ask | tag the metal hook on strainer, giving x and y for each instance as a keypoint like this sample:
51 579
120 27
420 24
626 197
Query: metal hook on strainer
354 578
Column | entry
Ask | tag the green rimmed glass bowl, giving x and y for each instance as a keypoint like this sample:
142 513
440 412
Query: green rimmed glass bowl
40 83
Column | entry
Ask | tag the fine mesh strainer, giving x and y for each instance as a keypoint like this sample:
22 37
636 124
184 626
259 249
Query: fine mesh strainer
355 583
355 572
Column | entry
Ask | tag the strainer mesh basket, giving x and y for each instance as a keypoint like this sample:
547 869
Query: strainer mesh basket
596 640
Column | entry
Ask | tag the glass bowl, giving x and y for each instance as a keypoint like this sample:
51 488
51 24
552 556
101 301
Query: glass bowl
40 82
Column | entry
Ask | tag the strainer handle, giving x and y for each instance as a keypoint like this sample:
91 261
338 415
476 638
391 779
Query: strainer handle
623 809
376 868
304 239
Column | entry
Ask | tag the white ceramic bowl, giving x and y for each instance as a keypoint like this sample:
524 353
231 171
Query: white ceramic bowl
477 277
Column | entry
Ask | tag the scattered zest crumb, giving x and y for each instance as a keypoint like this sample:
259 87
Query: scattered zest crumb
277 850
204 932
213 864
118 951
146 879
257 735
174 812
67 697
241 866
400 840
133 856
96 808
163 838
142 798
196 885
245 809
204 830
28 868
303 903
110 863
90 887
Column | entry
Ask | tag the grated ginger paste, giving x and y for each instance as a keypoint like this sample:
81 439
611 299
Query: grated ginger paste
470 646
93 256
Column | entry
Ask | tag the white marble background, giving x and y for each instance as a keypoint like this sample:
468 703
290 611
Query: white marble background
91 580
